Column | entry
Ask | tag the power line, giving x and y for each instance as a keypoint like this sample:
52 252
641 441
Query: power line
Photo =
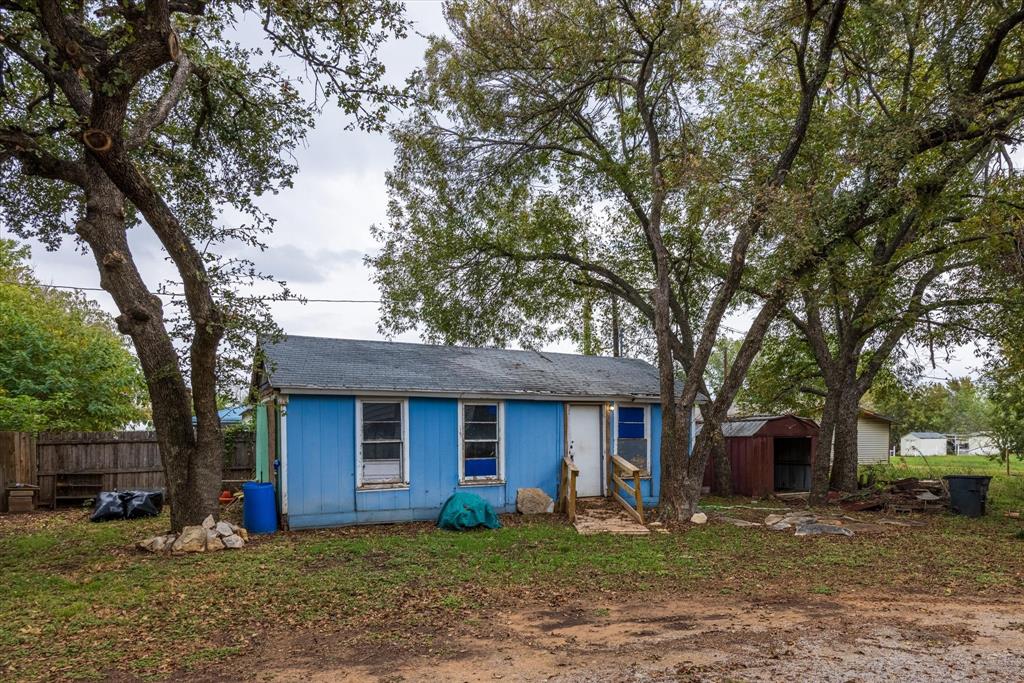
174 294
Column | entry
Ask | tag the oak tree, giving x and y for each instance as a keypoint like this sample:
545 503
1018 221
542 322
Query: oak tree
150 114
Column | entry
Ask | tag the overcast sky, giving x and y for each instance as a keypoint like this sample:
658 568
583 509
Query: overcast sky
323 222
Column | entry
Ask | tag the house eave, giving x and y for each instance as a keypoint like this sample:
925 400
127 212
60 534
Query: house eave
428 393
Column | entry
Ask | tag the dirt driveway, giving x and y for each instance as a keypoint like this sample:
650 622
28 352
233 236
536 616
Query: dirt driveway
715 638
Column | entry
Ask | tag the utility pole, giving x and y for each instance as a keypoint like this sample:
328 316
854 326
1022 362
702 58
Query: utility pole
616 341
725 363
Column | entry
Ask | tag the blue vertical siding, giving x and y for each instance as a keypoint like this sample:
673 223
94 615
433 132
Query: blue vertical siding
533 445
321 455
652 487
322 460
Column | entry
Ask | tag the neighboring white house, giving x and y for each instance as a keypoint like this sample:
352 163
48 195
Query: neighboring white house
873 432
976 444
923 443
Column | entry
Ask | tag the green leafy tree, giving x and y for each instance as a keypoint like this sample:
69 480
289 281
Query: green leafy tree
63 365
784 378
150 114
685 161
1005 378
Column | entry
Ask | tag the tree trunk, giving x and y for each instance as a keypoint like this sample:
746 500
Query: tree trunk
823 456
722 472
844 464
192 465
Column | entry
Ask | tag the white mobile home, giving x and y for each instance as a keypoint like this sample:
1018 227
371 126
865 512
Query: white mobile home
977 443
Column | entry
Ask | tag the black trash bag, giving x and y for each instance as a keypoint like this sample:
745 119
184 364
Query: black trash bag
142 503
109 506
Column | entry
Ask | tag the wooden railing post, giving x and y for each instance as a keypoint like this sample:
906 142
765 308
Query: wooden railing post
567 488
638 495
623 468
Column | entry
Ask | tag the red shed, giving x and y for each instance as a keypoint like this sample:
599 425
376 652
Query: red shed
768 453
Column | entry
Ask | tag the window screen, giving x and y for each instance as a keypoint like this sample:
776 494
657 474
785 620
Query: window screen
382 443
480 441
632 436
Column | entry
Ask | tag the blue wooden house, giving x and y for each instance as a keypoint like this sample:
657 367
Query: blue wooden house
359 432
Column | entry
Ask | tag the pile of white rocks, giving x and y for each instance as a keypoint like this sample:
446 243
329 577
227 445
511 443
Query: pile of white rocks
208 536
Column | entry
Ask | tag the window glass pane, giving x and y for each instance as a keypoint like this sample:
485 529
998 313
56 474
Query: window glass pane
382 451
382 431
481 430
482 467
382 471
481 449
476 413
635 451
382 412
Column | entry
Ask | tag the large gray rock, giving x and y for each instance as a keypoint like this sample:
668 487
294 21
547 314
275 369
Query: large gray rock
532 501
192 540
224 529
738 522
209 522
233 541
819 529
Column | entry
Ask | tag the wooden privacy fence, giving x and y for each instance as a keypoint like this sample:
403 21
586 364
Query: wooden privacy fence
17 462
76 465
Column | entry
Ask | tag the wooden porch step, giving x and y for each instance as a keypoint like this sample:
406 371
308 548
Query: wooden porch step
603 519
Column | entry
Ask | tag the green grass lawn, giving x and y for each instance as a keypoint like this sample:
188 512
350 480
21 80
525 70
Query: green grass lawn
80 602
1006 492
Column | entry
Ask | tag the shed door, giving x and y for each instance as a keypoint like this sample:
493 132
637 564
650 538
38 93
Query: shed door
585 448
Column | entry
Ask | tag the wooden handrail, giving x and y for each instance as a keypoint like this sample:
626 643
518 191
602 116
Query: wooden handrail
567 488
622 469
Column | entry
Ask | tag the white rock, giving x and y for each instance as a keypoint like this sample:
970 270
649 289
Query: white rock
154 544
224 529
533 501
213 542
192 540
233 541
209 522
699 518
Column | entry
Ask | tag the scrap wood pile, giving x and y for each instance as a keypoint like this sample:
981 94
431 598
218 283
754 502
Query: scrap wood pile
902 495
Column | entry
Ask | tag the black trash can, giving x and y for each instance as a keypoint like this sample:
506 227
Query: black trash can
967 494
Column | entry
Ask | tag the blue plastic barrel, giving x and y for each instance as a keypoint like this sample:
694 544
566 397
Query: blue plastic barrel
259 510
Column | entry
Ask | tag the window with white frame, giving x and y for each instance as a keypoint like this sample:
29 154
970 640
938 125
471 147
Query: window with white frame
631 436
382 445
481 441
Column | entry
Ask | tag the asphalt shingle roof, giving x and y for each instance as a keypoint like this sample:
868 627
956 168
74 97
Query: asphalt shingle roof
927 435
317 363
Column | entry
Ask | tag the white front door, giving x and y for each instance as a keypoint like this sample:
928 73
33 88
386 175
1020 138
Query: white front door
585 448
